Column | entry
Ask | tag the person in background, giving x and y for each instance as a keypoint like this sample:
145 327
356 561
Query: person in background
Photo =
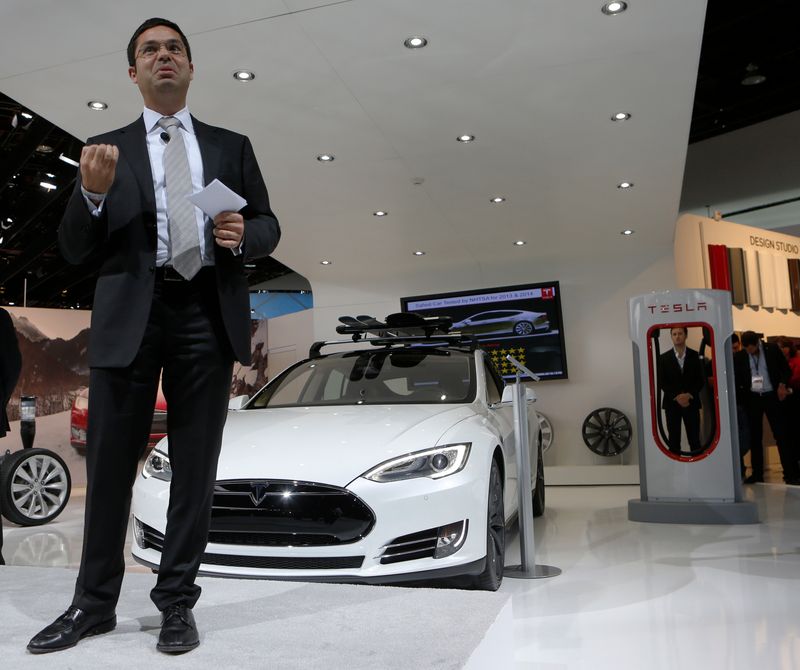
10 367
736 344
681 377
762 377
792 402
741 414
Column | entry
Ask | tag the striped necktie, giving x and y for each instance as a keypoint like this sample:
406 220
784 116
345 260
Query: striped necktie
183 234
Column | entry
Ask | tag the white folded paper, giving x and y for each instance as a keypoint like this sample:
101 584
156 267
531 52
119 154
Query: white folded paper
216 198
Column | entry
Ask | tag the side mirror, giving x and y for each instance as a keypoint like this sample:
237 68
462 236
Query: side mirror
238 402
508 394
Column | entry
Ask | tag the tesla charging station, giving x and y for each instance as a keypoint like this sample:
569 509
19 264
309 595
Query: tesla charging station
687 484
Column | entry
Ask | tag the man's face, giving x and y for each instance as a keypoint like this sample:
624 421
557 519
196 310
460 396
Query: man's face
678 337
752 349
736 346
162 69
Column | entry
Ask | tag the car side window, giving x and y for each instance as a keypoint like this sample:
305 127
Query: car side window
493 392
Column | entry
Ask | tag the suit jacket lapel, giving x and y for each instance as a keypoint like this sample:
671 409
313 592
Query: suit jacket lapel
210 150
133 148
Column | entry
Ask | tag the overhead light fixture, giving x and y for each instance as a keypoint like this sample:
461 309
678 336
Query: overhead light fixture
466 138
498 199
68 160
752 76
244 75
326 262
325 158
44 149
625 184
415 42
47 186
249 265
50 174
1 239
614 8
97 105
380 212
419 253
520 243
620 116
627 231
11 303
25 115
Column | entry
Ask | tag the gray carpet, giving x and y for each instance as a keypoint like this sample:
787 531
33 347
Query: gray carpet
256 624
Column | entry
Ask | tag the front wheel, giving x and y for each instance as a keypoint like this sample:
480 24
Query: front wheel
523 328
538 489
492 575
34 486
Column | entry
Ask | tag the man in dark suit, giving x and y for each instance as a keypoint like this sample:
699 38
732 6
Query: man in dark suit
762 377
681 378
10 367
171 295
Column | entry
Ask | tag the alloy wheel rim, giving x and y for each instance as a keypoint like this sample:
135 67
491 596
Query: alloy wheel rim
38 486
497 522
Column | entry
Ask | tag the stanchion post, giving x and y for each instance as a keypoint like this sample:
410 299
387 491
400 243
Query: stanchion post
527 545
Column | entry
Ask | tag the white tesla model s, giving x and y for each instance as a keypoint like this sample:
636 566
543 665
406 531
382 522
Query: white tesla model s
385 464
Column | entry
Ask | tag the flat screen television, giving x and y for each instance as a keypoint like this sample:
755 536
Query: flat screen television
524 321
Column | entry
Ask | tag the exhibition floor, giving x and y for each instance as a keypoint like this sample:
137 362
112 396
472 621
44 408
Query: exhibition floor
631 596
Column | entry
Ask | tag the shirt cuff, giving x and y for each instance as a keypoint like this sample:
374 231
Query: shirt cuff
91 199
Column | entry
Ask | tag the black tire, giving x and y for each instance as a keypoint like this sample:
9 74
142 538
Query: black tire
492 575
34 486
523 328
538 491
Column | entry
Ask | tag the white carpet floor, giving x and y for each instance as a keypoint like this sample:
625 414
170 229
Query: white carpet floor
256 624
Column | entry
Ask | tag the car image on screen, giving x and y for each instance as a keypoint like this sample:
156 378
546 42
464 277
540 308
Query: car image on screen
497 321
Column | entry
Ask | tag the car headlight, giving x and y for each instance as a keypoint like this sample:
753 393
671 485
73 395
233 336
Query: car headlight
157 465
434 463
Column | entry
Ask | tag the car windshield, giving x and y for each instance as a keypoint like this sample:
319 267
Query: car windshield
384 377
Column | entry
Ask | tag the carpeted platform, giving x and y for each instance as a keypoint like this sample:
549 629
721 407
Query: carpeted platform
256 624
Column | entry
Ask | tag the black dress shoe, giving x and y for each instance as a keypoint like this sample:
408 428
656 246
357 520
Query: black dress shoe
178 630
69 629
753 479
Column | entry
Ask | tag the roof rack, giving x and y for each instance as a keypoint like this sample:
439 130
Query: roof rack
401 328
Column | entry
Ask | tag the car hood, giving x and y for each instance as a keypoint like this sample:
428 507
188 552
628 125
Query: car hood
331 445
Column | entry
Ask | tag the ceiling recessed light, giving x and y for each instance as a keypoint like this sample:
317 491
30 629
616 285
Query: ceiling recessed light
498 199
68 160
244 75
49 174
47 186
752 76
1 239
520 243
613 8
325 158
419 253
466 138
380 212
97 105
44 149
325 262
415 42
11 303
625 184
25 115
621 116
627 231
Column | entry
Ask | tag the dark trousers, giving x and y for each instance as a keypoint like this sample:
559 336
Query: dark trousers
769 405
185 337
690 416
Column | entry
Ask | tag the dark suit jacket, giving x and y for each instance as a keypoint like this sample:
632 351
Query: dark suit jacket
673 380
124 236
777 368
10 366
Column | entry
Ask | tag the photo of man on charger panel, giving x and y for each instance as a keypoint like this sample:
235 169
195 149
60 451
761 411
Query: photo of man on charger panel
171 294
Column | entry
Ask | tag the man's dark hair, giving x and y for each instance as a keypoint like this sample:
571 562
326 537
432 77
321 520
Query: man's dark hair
749 338
152 23
734 338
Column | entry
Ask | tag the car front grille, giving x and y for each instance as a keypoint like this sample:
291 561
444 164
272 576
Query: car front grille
153 539
282 513
411 547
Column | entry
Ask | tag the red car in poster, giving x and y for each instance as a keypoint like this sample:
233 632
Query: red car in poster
79 418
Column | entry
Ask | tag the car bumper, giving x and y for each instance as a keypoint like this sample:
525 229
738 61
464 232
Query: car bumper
400 509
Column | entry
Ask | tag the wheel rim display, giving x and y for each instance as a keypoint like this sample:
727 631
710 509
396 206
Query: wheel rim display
607 431
39 486
546 430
